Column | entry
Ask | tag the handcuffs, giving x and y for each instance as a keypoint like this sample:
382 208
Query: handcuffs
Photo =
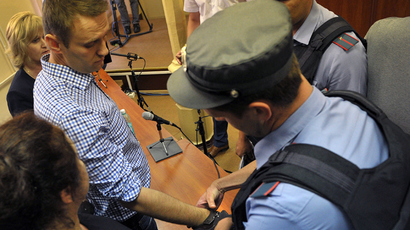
212 220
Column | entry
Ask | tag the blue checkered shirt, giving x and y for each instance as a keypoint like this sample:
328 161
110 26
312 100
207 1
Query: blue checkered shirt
116 165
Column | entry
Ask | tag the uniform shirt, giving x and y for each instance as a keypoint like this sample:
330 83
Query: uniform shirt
338 69
20 94
115 162
332 123
207 8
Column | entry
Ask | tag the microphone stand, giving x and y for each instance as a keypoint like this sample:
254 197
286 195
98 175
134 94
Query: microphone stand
161 139
201 130
162 152
133 57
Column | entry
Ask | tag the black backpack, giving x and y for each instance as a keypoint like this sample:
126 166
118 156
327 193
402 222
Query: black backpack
330 32
373 198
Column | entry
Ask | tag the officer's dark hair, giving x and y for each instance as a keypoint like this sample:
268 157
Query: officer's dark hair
281 95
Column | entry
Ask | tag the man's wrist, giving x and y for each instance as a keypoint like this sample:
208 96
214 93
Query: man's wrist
207 222
212 220
219 187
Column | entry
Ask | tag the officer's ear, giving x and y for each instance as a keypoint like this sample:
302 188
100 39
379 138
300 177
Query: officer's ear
261 110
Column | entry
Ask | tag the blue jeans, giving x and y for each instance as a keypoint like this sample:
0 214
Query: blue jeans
122 8
220 133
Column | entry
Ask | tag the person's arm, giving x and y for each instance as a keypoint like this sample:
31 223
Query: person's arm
18 102
243 145
224 224
343 70
20 95
213 196
193 22
164 207
119 184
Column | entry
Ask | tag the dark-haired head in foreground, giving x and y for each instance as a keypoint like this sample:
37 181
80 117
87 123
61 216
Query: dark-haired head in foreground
42 181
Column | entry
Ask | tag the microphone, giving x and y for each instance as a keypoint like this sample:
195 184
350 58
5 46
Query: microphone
150 116
129 55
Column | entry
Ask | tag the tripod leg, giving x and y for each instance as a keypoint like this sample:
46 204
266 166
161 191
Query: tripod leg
115 27
202 133
165 148
161 139
145 16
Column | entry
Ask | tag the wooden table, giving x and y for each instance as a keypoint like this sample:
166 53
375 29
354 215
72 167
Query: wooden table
184 176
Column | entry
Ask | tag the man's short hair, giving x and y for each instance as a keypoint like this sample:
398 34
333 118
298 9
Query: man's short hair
21 30
58 15
280 95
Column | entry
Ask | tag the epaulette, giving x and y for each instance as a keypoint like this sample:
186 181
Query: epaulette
264 189
345 41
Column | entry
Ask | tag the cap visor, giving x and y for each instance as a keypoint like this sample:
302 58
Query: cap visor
186 94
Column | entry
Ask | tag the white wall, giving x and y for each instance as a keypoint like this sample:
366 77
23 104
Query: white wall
8 9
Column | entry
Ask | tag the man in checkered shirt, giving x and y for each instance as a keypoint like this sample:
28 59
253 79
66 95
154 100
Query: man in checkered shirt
67 95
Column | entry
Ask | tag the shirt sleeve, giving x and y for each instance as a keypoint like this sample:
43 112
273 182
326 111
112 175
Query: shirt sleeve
343 70
191 6
291 207
108 166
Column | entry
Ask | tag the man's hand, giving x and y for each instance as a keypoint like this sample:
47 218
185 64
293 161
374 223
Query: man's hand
212 198
244 146
178 57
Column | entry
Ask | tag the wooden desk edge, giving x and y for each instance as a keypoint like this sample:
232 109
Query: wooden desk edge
115 92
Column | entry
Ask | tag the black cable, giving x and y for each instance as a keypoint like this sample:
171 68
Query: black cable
216 167
183 133
154 94
143 67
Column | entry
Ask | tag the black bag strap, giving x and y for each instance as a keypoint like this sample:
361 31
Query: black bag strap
316 169
311 167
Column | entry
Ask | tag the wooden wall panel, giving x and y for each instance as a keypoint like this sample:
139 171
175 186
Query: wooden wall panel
361 14
358 13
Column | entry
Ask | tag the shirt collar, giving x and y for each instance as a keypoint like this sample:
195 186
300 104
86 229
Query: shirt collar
289 130
66 73
305 32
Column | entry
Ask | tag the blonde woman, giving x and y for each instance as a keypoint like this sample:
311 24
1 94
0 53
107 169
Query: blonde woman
25 38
